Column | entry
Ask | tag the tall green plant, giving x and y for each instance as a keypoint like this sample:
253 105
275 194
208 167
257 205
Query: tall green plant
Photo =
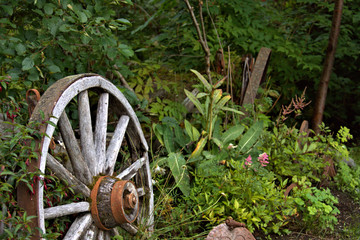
214 102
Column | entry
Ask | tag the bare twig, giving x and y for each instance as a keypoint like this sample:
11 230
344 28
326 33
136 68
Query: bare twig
122 79
201 38
212 21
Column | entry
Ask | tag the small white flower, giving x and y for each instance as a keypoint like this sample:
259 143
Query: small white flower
159 170
231 146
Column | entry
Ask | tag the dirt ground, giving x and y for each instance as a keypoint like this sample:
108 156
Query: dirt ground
348 226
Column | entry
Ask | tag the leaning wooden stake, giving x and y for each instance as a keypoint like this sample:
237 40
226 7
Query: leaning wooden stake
328 64
257 76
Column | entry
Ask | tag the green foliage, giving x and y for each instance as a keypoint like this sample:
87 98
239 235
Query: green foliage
316 207
248 195
348 180
292 153
47 40
16 151
161 108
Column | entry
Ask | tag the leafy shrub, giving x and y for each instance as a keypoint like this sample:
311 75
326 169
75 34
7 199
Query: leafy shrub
248 194
315 207
40 40
16 150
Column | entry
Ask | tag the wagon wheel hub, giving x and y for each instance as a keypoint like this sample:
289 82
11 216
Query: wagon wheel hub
114 202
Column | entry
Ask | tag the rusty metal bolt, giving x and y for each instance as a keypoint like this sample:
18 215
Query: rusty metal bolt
130 201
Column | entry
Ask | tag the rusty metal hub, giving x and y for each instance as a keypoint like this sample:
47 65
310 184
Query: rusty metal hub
114 202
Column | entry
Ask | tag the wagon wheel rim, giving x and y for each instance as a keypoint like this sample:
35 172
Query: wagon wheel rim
93 157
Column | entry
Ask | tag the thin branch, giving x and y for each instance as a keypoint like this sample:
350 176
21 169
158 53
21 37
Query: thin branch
122 79
201 39
212 21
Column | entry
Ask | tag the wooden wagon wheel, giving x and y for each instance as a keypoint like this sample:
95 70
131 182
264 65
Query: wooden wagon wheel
118 192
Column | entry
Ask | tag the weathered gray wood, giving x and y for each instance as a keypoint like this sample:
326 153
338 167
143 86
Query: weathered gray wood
115 144
91 233
257 75
107 235
78 163
104 203
130 228
67 209
86 132
61 172
79 227
104 235
141 192
149 206
101 235
100 131
131 171
115 232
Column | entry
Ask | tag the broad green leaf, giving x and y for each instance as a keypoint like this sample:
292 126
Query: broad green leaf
236 204
195 101
64 28
126 50
217 142
223 101
53 69
199 147
85 38
158 131
203 80
179 136
217 94
219 83
27 63
178 169
82 17
20 49
232 133
8 9
232 110
251 137
299 201
188 130
123 21
191 131
200 95
49 8
168 139
6 172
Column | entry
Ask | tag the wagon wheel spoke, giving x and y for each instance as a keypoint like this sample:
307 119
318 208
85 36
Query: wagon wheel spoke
91 233
79 227
78 163
115 144
67 209
61 172
86 132
115 232
141 191
107 235
101 129
131 171
129 228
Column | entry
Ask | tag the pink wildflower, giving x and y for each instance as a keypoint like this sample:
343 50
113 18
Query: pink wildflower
263 159
248 161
